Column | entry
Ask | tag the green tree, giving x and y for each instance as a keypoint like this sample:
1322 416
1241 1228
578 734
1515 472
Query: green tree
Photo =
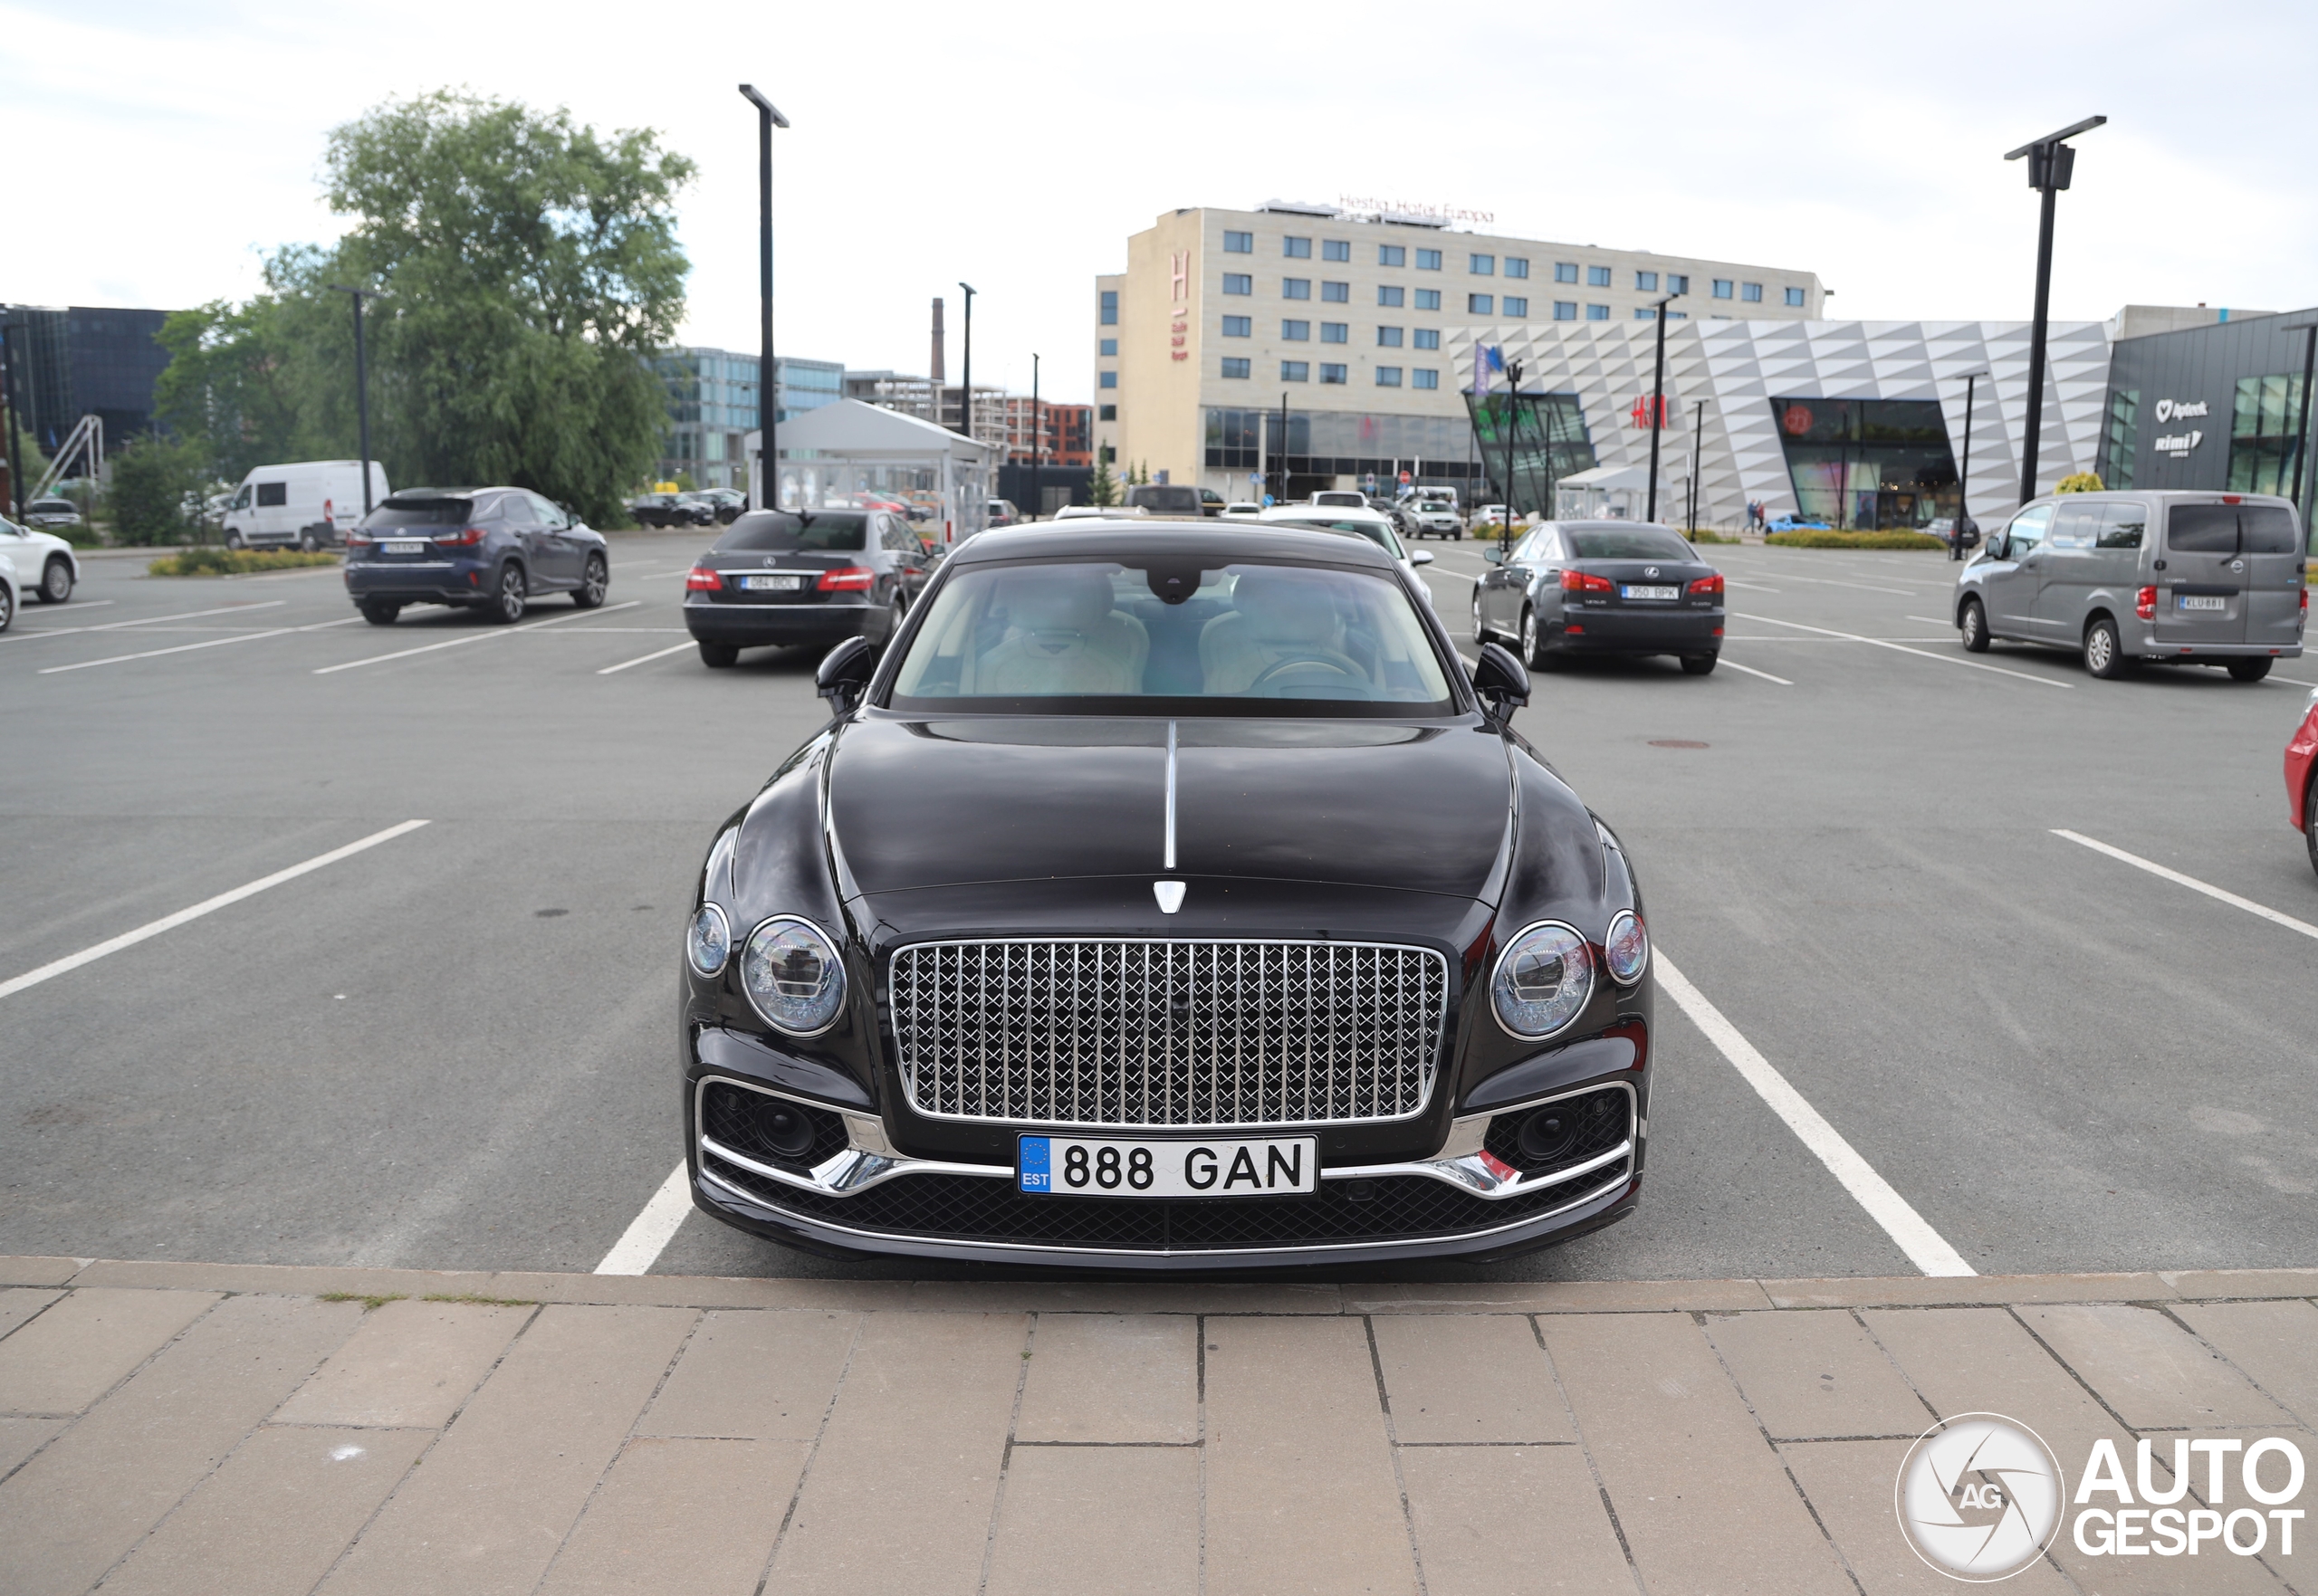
530 270
1104 490
2083 481
156 492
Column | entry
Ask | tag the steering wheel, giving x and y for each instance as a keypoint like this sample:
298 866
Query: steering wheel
1293 661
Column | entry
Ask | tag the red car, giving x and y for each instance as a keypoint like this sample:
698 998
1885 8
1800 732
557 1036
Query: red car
2302 800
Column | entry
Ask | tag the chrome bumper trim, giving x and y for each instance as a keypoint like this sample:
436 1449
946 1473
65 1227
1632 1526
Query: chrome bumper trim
854 1170
1471 1172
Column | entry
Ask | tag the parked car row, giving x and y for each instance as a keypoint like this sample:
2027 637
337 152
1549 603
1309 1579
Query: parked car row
701 508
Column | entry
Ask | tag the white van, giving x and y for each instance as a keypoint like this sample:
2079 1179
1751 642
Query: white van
312 504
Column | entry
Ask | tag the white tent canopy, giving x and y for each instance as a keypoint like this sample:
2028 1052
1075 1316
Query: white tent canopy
831 455
1621 492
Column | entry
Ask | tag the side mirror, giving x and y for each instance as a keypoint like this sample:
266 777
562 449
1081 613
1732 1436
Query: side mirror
1420 557
2000 545
843 671
1497 554
1502 681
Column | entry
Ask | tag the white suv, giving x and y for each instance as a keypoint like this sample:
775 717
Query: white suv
46 568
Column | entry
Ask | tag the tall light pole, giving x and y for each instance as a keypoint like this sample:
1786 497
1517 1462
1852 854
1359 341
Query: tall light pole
15 422
1658 407
1513 370
1698 439
361 385
966 373
1964 470
768 412
2051 163
1034 437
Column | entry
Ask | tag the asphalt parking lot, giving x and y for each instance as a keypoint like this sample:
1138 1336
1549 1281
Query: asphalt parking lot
453 1048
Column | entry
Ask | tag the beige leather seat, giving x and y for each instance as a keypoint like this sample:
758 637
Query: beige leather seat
1281 631
1062 636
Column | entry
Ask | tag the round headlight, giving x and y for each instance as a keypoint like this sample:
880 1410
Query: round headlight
1626 949
793 976
708 940
1543 978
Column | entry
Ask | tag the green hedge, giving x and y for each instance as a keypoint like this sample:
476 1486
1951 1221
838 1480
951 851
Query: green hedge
232 562
1854 540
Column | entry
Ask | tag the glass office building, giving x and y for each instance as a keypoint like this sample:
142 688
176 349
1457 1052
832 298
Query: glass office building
712 406
2223 408
80 361
1867 464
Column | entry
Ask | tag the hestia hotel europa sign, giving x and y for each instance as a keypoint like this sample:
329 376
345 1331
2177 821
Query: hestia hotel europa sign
1179 283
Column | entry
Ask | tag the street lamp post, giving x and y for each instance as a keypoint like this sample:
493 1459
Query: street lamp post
767 378
1964 471
1658 407
966 401
1698 436
8 404
1034 437
1513 370
2051 160
361 386
1283 448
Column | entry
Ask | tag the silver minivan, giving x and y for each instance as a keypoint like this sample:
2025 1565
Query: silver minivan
2130 577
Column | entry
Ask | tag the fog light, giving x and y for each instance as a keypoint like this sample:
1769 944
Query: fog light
1548 1134
786 1130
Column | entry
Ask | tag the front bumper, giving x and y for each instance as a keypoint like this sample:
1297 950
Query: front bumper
754 626
1608 630
852 1193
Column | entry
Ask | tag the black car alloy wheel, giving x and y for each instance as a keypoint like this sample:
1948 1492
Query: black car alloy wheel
1481 626
506 602
1531 655
7 607
594 584
2104 656
56 582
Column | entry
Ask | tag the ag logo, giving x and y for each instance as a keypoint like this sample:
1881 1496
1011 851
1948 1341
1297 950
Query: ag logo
1978 1498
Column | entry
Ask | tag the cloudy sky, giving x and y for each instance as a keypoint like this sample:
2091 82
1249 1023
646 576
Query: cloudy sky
160 149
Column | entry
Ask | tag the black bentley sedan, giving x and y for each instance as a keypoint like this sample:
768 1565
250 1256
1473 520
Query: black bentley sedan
1604 587
1091 931
780 577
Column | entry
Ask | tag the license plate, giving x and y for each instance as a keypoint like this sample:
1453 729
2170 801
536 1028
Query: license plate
1078 1166
770 584
404 546
1630 591
2202 601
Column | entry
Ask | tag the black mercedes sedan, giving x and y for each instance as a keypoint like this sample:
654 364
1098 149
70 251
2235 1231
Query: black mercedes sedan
779 577
1604 587
1091 929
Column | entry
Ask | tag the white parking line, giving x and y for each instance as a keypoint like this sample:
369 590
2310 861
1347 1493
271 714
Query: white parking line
644 660
475 637
1733 664
1731 581
118 659
1925 1248
32 978
1932 620
148 620
649 1233
1831 582
1972 664
2192 883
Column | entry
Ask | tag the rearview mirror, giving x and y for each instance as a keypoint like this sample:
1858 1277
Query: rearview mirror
843 671
1420 557
1502 681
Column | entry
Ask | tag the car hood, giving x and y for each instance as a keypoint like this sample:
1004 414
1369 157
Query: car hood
931 803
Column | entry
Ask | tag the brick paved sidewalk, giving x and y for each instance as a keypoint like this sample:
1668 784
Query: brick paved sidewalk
190 1428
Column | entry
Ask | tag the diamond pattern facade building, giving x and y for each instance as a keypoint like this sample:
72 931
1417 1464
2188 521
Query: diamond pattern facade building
1801 416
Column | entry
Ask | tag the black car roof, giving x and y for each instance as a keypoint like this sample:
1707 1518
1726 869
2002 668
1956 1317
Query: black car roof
1175 538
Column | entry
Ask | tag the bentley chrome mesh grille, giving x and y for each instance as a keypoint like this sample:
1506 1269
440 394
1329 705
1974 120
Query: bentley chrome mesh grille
1193 1034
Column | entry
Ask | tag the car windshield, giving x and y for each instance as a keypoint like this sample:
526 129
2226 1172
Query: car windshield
1169 636
419 513
780 530
1626 543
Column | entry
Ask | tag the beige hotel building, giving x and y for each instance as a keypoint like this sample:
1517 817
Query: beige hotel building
1347 314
